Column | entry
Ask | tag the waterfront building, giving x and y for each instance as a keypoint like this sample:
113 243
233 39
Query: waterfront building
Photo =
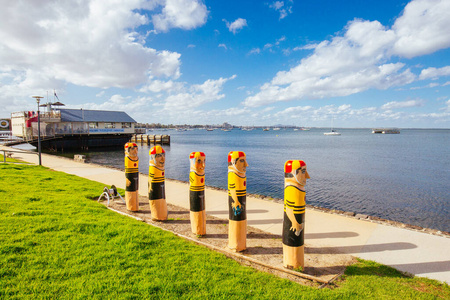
74 128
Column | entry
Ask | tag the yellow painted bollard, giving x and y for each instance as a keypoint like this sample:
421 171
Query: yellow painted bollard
156 180
131 176
294 214
237 196
197 193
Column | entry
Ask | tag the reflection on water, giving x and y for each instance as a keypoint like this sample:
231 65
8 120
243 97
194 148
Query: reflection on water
402 177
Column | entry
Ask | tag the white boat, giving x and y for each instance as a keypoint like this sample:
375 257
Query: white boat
332 132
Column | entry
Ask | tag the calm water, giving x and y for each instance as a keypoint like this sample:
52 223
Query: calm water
402 177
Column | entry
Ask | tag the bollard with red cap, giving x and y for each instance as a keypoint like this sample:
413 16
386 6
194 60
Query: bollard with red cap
156 181
293 235
197 193
237 196
131 176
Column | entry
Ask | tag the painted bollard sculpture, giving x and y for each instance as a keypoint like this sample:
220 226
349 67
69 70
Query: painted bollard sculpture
156 180
237 194
131 176
294 214
197 193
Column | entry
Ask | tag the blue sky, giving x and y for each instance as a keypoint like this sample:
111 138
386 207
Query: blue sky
383 63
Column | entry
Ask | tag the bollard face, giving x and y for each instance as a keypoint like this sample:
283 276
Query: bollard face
197 162
293 234
131 150
157 157
237 162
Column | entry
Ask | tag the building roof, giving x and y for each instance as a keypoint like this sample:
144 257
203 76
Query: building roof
85 115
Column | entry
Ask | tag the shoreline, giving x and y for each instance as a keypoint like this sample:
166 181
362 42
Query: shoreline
348 214
410 250
353 215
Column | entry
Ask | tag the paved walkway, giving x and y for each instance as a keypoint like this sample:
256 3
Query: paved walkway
407 250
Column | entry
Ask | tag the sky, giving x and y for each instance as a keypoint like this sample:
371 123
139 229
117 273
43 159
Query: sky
354 63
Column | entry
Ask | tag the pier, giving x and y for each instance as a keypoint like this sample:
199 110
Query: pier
386 130
151 139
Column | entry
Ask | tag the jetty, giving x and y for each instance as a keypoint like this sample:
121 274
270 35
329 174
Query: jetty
162 139
386 130
410 250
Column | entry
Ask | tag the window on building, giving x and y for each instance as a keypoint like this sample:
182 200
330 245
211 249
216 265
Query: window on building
110 125
93 125
126 125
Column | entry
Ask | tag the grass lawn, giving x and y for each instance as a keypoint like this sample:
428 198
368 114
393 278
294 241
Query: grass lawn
57 242
8 159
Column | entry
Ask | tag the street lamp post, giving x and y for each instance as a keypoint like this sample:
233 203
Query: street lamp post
38 100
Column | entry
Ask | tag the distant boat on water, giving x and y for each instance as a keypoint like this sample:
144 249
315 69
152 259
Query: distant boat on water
386 130
332 132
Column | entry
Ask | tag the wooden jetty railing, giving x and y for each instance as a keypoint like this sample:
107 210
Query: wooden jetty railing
151 139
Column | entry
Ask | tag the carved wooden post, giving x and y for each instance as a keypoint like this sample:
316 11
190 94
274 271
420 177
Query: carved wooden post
197 193
294 214
131 176
237 194
156 180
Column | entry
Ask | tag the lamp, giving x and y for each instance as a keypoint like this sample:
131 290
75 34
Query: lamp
38 99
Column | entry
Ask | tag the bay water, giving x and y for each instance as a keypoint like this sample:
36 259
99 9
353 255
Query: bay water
400 177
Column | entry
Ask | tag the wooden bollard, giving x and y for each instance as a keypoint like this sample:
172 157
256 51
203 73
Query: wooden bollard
156 181
293 235
237 198
197 193
131 176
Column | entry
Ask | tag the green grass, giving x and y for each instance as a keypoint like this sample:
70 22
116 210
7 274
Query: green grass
57 242
8 159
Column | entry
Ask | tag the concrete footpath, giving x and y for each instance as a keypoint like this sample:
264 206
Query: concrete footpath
410 251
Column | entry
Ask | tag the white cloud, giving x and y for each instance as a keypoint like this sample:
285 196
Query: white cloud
434 73
255 51
223 46
133 106
184 14
403 104
293 111
447 107
65 41
158 86
423 28
47 44
236 25
282 8
196 95
358 60
306 47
